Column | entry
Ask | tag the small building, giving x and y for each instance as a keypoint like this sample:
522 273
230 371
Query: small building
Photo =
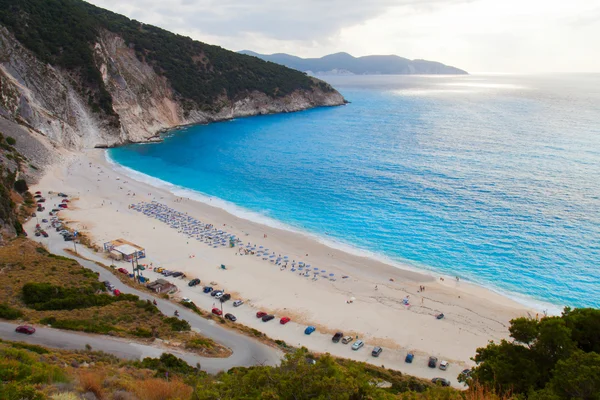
121 249
162 286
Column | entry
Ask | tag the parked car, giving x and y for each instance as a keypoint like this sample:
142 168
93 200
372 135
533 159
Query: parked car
44 234
225 297
337 337
441 381
238 303
284 320
267 318
63 205
215 292
358 344
466 372
347 339
230 317
176 274
217 311
260 314
63 195
166 272
218 295
110 287
29 330
106 283
409 358
44 220
186 300
432 362
69 238
207 289
159 270
38 233
117 292
309 330
123 271
444 365
194 282
376 351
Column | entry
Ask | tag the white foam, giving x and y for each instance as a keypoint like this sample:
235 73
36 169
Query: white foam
233 209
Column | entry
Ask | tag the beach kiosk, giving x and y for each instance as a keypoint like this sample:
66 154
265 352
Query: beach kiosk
121 249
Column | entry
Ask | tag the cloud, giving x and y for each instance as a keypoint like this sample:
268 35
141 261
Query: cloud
300 20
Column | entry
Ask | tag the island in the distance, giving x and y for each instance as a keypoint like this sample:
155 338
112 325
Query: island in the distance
346 64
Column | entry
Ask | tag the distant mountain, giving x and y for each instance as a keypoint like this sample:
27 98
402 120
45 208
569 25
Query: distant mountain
344 63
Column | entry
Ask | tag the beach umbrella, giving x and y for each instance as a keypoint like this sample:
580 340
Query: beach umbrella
285 257
316 269
260 247
272 256
323 271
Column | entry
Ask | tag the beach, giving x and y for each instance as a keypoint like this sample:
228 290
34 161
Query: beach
377 302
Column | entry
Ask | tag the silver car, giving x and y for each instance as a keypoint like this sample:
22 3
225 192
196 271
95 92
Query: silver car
358 344
238 303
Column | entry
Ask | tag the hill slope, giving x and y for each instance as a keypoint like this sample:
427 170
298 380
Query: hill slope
367 65
84 76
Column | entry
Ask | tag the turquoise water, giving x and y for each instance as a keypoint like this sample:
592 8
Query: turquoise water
495 179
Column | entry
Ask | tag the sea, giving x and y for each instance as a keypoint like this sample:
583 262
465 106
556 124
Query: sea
492 178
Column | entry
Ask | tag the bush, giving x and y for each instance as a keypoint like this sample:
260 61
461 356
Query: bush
83 325
21 186
11 140
141 332
167 363
8 312
178 325
199 343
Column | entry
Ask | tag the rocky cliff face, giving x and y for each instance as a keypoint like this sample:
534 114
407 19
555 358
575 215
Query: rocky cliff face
48 100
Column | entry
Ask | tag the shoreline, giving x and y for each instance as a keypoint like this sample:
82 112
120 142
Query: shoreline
102 195
257 218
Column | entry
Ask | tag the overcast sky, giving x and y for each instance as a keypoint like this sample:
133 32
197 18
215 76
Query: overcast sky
476 35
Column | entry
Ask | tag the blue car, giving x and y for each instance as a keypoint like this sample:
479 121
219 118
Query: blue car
309 330
409 358
207 289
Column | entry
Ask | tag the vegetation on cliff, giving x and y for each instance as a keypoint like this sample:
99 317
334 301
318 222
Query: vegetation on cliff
15 200
39 287
64 32
551 358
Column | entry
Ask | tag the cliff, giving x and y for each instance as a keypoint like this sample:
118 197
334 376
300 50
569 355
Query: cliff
344 63
77 76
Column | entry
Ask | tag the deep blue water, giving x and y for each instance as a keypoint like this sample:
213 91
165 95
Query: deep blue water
495 179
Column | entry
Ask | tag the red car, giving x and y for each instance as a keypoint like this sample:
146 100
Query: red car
65 201
29 330
63 205
284 320
123 271
116 292
44 234
260 314
216 311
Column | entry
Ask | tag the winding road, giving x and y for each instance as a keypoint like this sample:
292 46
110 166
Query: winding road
245 351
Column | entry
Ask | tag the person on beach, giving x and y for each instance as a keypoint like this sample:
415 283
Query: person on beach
376 288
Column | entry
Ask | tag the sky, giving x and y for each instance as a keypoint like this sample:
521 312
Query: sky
504 36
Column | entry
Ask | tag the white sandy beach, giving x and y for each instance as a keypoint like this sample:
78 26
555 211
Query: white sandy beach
473 315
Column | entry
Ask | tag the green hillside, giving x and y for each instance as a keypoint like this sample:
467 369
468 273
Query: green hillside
63 32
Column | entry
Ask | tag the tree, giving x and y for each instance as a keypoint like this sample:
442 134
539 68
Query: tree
585 327
11 140
524 330
21 186
577 377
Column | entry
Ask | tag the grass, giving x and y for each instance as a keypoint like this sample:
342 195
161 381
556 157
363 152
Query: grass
40 287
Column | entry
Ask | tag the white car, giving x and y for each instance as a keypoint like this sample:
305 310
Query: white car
237 303
186 300
444 365
358 344
219 295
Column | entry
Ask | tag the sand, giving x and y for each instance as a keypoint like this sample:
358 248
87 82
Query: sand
474 315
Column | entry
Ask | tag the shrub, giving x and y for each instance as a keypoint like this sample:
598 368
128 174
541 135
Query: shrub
11 140
178 325
199 343
167 362
159 389
141 332
91 382
21 186
8 312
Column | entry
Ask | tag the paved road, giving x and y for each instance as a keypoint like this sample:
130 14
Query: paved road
246 351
